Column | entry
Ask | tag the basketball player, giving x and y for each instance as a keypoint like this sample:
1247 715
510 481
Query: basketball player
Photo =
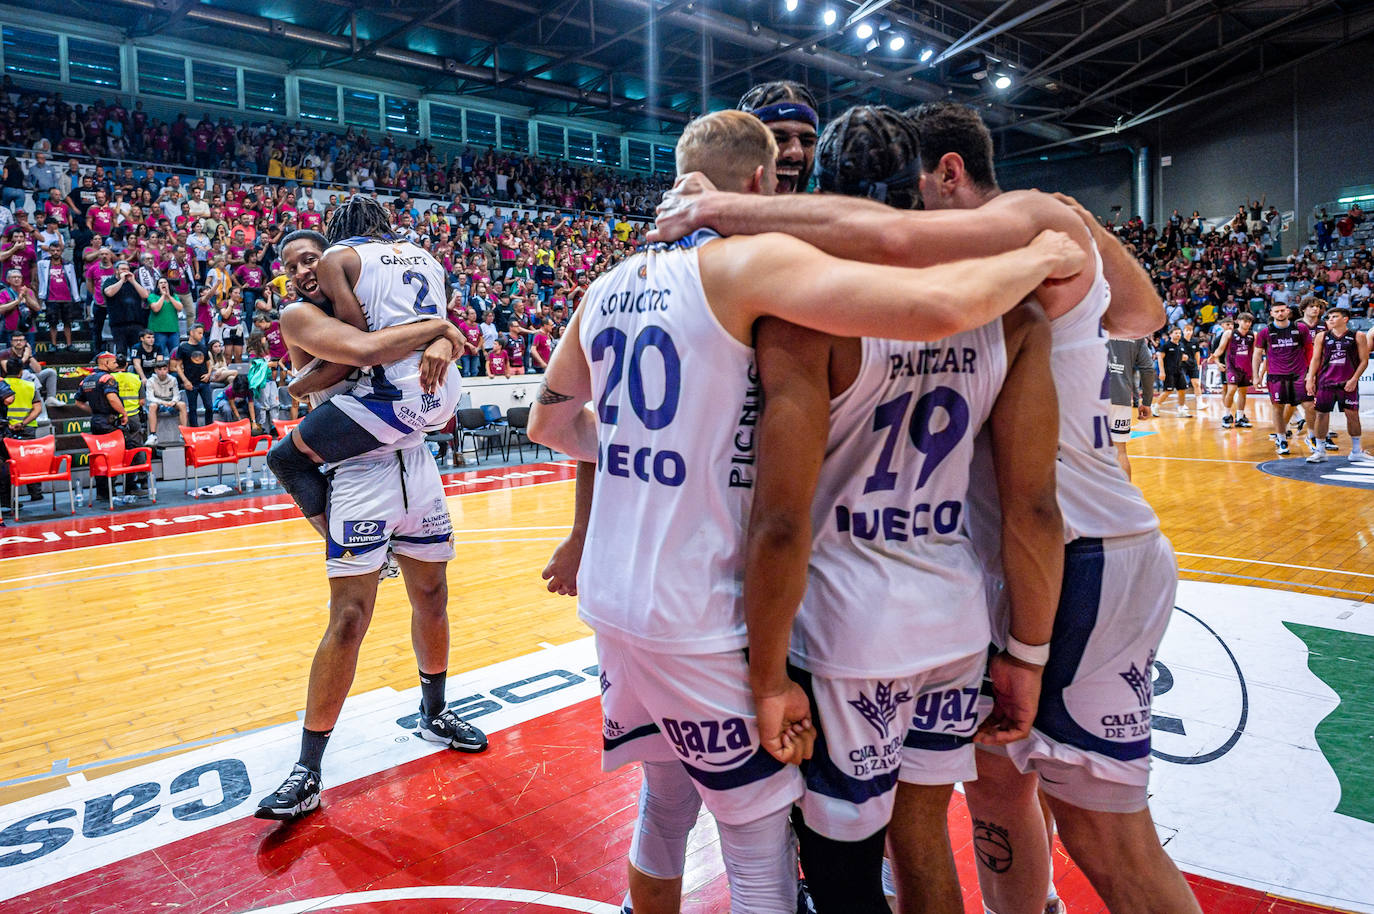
1171 354
1132 380
1192 369
1280 344
1339 357
395 397
1119 576
1309 318
389 498
664 350
789 110
863 471
1234 352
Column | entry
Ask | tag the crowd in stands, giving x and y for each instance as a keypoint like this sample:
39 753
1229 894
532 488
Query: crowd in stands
297 154
1208 273
150 256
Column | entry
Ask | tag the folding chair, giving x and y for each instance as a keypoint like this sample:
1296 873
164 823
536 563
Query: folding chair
472 423
517 431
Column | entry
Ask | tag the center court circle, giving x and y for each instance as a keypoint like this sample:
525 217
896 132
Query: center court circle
380 897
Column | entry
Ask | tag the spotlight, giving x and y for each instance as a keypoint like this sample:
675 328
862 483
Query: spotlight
791 5
829 17
896 43
864 31
1002 82
926 54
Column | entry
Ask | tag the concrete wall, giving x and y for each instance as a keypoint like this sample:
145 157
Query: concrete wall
1098 181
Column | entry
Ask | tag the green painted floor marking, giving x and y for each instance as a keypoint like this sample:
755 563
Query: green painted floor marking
1345 662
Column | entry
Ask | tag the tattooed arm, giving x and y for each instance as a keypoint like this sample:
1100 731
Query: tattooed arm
561 417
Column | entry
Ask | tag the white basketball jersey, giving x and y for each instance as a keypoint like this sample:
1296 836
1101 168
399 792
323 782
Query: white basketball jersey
399 283
676 399
894 586
1095 497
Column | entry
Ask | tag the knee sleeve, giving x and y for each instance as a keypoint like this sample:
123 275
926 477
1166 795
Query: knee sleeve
299 476
843 876
668 808
761 863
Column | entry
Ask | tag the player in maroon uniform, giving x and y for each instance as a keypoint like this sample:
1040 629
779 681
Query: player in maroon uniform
1282 343
1311 321
1339 357
1234 353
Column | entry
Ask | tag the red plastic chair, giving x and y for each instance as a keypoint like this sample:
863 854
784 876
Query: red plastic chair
206 447
246 444
284 427
109 459
35 461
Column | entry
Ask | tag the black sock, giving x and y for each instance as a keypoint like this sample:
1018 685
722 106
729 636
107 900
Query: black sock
432 693
312 748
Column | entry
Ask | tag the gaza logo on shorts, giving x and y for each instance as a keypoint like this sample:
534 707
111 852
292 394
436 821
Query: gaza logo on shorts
946 711
363 532
697 739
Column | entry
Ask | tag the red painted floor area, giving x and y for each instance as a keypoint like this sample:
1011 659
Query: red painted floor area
535 812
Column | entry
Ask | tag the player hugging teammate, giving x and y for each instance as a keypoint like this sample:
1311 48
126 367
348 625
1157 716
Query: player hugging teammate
873 492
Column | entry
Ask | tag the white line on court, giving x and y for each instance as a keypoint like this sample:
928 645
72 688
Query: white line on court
1228 558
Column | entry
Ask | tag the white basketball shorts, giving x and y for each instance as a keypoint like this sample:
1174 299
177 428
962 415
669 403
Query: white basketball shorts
394 498
390 406
1092 734
871 733
1119 418
696 709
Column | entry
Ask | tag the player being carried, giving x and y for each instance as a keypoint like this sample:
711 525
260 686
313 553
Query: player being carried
384 491
662 347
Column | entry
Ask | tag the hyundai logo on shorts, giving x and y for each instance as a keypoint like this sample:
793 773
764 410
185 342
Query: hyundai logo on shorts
362 532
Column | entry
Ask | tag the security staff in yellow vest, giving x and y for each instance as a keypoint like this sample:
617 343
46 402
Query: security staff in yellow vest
132 396
21 411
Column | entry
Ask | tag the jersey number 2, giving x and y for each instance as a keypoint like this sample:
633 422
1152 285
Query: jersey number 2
421 293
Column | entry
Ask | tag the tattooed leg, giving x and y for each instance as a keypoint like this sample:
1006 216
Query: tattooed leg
1009 837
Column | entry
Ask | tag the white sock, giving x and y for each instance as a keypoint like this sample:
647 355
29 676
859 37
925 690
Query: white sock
1355 445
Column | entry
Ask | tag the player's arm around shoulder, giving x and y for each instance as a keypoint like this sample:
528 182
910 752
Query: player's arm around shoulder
793 365
1032 528
561 417
752 276
1136 308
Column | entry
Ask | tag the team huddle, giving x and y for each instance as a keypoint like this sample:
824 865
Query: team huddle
850 528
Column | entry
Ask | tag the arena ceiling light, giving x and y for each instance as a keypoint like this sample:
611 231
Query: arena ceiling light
863 32
896 43
926 54
1003 81
791 5
829 17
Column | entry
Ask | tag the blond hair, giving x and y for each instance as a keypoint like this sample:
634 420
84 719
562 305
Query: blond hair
726 146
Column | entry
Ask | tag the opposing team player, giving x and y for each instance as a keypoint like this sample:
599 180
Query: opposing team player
1339 357
663 349
863 470
1235 351
1280 345
1309 318
1119 576
389 498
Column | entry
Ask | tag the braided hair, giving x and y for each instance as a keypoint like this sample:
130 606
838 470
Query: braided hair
871 151
360 216
782 90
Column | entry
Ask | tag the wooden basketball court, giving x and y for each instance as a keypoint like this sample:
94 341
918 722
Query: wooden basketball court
153 669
